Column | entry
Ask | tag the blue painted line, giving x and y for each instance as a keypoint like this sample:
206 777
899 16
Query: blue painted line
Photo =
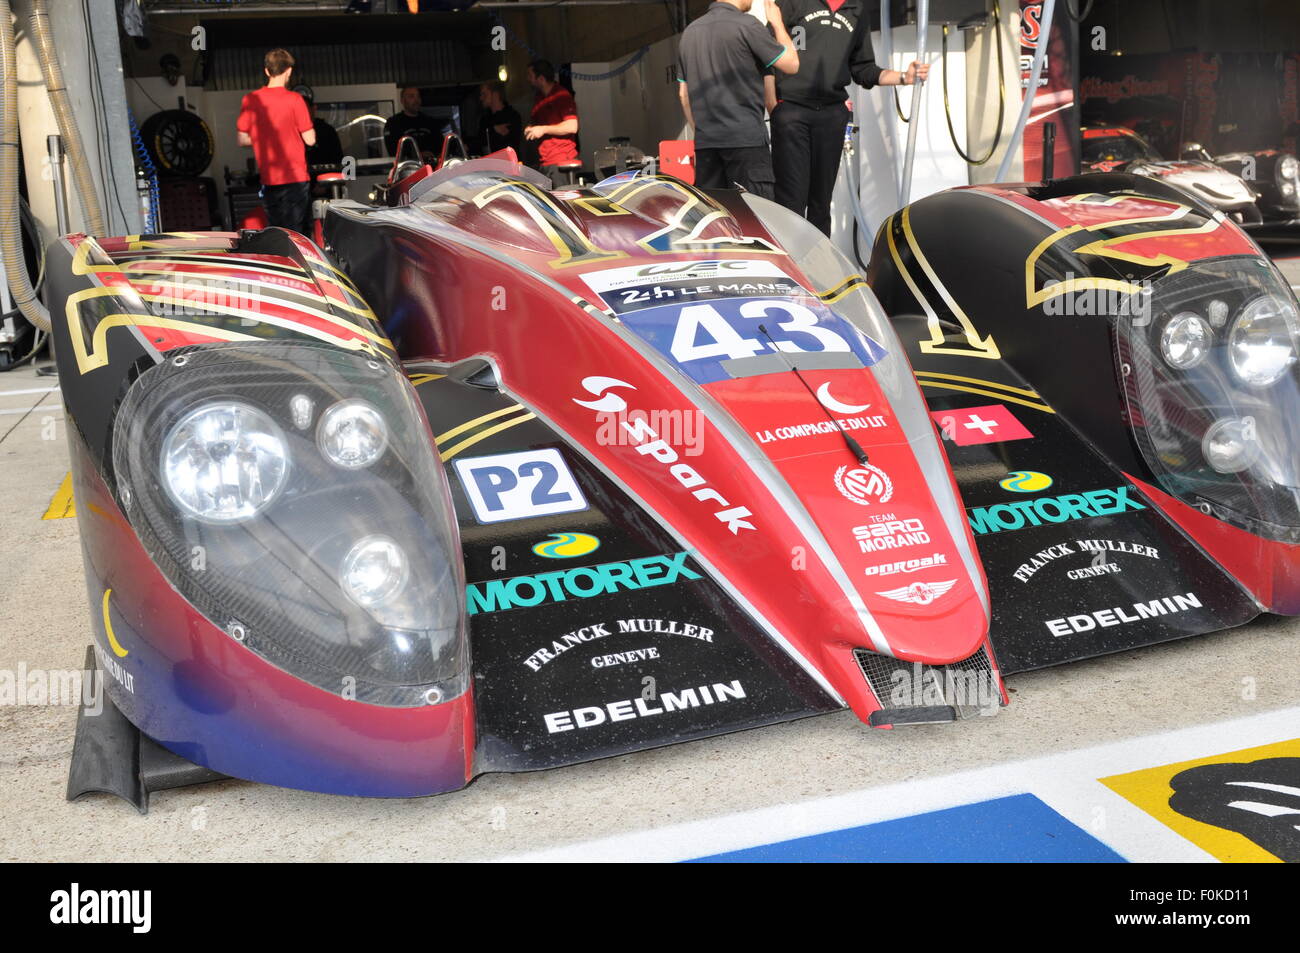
1019 828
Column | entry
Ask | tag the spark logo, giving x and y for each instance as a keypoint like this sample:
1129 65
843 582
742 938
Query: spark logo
646 441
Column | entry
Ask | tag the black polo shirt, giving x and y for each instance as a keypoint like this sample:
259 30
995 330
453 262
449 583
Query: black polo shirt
836 49
723 57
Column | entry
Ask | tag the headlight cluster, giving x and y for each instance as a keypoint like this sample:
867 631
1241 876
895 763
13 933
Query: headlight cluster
1213 389
1288 177
291 493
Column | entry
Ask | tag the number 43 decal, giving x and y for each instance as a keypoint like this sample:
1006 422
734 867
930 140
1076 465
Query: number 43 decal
699 337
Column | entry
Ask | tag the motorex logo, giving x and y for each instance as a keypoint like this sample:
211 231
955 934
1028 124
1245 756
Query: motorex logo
1052 509
499 595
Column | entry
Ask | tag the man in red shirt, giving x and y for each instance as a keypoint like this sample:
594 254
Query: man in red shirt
275 122
553 123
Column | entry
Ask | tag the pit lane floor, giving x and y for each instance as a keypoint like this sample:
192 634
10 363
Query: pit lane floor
1037 764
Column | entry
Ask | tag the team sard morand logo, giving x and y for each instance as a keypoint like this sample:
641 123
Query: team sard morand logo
603 630
919 593
1045 510
887 531
864 484
1098 552
1121 615
583 582
907 565
665 703
647 442
969 426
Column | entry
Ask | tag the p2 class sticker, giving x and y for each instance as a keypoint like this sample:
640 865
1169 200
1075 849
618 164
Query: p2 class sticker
648 286
515 486
728 338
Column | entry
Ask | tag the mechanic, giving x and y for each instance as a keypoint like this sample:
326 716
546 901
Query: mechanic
274 121
809 110
327 153
500 125
411 122
723 57
553 123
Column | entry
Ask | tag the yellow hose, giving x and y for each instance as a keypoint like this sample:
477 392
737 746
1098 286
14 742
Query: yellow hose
39 22
11 242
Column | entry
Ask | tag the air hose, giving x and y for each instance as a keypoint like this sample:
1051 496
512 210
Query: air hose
1002 92
39 22
11 248
151 225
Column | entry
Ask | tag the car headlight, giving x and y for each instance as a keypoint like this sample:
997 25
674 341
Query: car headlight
224 462
1288 167
373 571
352 434
1262 343
1231 444
305 477
1213 405
1186 339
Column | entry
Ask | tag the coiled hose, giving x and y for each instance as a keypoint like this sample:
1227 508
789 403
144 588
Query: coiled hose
151 225
11 242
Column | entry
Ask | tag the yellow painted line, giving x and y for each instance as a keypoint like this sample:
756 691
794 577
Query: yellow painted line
61 505
981 382
1153 790
842 289
418 379
113 643
471 424
470 441
987 393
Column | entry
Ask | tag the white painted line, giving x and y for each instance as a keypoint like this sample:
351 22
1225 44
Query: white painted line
45 390
1066 782
28 410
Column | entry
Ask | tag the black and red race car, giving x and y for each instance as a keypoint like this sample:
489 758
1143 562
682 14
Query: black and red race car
512 478
1260 190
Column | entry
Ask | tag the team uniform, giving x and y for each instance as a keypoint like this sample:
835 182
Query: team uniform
724 56
810 116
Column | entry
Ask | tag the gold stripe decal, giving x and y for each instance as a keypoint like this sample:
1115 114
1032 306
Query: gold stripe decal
483 435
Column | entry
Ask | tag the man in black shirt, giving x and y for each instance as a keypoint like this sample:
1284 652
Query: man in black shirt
723 57
808 109
500 124
411 122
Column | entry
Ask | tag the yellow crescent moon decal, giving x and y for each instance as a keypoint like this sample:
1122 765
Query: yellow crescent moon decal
115 645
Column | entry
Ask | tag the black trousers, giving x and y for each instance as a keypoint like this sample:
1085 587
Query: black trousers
807 144
748 166
289 206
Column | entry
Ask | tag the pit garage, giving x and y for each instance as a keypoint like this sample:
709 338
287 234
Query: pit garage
446 398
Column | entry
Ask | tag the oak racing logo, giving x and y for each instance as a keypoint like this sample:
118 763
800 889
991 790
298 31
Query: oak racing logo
864 485
647 442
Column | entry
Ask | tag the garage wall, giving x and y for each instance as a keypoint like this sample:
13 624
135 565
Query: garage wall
640 103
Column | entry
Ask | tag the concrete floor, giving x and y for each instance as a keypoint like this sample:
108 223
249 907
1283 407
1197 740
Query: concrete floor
43 624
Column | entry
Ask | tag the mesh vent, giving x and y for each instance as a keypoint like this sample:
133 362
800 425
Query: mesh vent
966 686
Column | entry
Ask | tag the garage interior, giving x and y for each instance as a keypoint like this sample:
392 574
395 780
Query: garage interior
154 88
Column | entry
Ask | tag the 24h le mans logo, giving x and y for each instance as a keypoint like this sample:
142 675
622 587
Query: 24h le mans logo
865 484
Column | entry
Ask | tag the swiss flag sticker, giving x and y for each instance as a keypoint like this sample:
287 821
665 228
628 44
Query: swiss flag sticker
992 423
